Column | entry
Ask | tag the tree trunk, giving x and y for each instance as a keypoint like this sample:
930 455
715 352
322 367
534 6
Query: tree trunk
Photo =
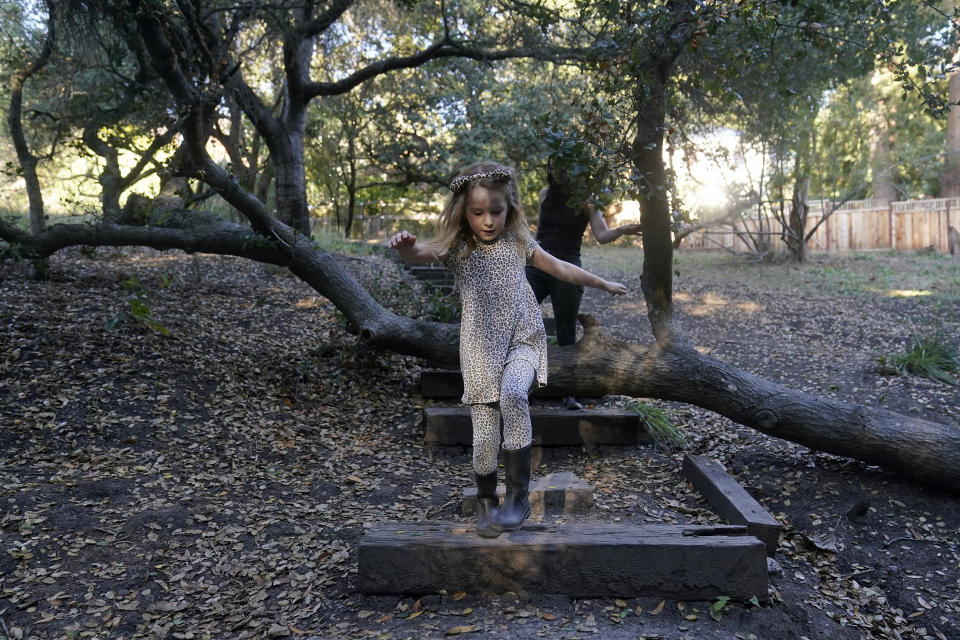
290 181
881 162
950 180
647 156
28 162
795 234
351 188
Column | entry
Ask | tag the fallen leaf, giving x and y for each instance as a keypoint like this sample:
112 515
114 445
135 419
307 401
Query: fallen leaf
657 609
452 631
459 595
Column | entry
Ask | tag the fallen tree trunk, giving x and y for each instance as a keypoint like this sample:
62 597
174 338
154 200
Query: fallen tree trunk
671 369
674 370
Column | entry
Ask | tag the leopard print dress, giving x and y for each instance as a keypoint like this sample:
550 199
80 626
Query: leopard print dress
501 320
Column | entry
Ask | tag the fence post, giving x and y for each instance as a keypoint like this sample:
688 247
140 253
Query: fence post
946 228
826 223
893 237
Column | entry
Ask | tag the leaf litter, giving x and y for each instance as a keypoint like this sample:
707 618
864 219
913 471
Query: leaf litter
214 482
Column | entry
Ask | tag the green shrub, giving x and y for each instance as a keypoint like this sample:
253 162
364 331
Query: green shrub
664 432
930 356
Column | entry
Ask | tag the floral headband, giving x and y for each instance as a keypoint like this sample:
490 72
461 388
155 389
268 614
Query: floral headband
497 175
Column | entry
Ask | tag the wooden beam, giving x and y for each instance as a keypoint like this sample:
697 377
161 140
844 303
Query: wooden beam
577 560
451 426
730 500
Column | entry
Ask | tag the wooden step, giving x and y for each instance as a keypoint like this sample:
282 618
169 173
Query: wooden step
448 383
557 492
730 500
576 560
436 279
451 426
425 269
441 383
444 289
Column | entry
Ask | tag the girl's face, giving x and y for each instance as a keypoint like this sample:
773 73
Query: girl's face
486 212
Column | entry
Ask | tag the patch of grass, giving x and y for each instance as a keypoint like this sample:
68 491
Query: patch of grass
930 356
334 242
664 432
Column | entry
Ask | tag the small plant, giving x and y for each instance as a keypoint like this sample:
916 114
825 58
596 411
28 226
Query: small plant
664 432
138 309
439 306
930 356
716 609
13 251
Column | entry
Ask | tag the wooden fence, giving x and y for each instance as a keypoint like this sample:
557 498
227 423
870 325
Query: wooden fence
910 225
862 224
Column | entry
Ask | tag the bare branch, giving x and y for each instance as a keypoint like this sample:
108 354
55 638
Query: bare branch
443 49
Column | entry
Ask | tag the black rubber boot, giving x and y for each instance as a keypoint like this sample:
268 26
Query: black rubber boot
516 505
487 505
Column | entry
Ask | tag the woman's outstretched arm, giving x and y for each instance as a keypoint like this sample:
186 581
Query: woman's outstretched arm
603 233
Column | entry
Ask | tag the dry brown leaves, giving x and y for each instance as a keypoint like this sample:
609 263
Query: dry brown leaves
215 482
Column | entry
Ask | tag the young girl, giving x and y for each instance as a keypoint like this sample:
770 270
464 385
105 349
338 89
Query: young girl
484 240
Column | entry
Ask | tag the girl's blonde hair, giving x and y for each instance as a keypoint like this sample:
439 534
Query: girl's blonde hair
453 228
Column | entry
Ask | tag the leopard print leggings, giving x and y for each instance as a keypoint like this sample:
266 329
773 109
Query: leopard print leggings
517 432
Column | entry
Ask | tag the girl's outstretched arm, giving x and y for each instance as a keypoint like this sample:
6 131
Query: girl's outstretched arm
572 273
406 245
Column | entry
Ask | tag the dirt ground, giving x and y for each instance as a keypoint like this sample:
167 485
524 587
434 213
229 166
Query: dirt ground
192 447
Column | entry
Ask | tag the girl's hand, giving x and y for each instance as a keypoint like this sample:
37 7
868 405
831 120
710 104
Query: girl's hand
402 239
614 288
631 229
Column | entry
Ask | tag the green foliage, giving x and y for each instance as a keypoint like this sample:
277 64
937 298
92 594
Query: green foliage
138 307
716 608
257 240
930 356
664 432
439 306
13 251
865 131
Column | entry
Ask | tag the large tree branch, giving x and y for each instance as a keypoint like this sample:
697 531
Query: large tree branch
674 370
322 22
206 236
442 49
